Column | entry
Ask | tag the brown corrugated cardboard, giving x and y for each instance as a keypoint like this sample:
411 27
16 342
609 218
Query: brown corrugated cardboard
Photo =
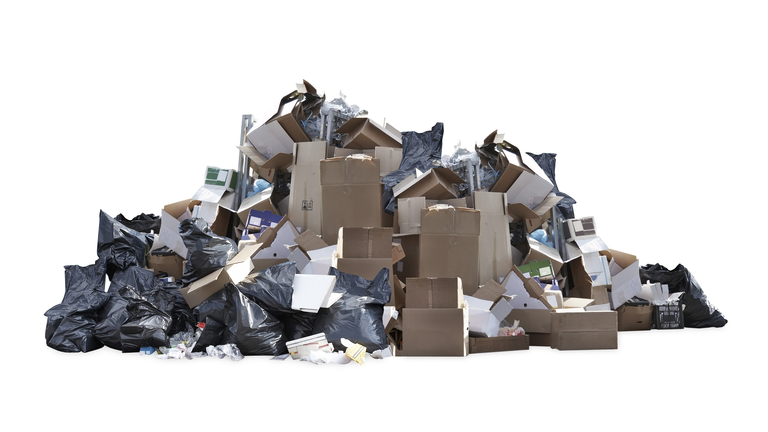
522 185
280 162
535 218
364 133
491 291
433 293
435 332
305 205
625 276
539 252
369 242
450 242
261 201
398 294
308 240
172 215
583 285
495 259
409 214
398 253
498 344
437 183
344 152
408 266
390 158
351 194
578 330
635 317
171 264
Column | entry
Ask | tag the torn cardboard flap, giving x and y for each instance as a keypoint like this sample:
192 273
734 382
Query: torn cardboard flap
535 218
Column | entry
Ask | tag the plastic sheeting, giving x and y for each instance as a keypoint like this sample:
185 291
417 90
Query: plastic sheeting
71 323
422 151
358 314
144 223
122 247
208 252
698 312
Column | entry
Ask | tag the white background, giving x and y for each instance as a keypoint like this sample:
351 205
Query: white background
656 111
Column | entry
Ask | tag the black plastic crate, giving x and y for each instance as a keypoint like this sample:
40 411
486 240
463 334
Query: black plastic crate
668 316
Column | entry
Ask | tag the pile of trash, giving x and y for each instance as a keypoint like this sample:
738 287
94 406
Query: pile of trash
338 238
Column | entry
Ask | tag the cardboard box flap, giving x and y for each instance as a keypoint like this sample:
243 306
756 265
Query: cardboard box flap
436 183
529 189
540 251
520 211
493 203
309 241
491 291
441 219
253 154
259 201
270 139
355 169
178 209
532 287
364 133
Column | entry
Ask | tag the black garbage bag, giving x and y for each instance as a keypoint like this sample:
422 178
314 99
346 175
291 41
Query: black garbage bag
144 223
546 162
71 323
272 289
142 284
247 325
422 151
698 312
357 315
208 252
146 326
210 335
123 247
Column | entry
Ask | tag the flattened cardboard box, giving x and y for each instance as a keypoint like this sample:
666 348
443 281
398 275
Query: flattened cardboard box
426 293
305 205
450 242
351 194
577 330
435 332
498 344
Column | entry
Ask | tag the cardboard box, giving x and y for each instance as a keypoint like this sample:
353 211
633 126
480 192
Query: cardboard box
408 266
305 205
226 178
498 344
495 259
449 245
529 304
398 253
625 276
635 317
491 291
435 332
237 269
409 214
428 293
539 252
172 215
522 185
270 139
436 183
533 218
581 330
261 201
351 194
390 158
369 242
309 241
171 264
364 133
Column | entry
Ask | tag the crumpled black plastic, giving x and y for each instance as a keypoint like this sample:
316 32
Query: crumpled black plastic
70 324
142 284
546 162
144 223
357 315
246 324
208 252
272 288
122 247
146 326
698 312
422 151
